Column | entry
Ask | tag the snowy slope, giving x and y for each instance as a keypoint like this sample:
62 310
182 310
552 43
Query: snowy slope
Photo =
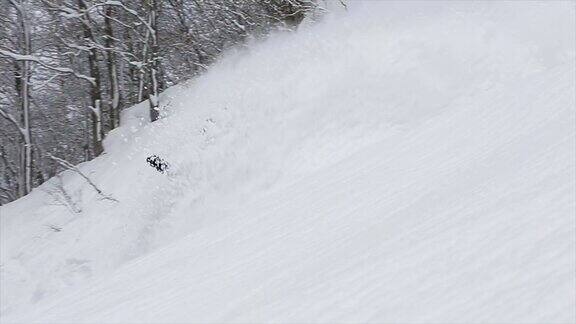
399 162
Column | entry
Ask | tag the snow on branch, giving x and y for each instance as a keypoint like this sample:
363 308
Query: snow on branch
30 58
71 13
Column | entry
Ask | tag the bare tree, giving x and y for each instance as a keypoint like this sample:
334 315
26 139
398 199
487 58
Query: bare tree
22 82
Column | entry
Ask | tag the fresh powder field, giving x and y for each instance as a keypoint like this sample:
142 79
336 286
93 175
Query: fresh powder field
390 163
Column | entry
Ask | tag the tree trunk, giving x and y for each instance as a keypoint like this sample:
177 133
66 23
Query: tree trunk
142 67
95 92
154 91
24 83
112 71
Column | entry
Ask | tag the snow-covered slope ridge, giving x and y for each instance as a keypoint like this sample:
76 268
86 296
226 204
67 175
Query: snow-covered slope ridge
398 162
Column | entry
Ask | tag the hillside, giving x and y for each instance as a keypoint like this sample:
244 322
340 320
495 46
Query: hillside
395 162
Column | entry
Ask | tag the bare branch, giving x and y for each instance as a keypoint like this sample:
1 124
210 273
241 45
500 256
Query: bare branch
11 119
69 166
62 197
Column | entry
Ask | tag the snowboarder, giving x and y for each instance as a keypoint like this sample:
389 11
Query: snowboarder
156 162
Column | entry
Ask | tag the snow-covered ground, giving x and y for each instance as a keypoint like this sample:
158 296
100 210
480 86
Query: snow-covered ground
397 162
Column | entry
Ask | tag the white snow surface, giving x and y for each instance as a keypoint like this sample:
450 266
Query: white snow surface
395 162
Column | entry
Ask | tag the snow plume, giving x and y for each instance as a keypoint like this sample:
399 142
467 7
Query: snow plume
395 162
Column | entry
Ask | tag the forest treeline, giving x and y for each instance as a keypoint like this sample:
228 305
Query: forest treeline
69 67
